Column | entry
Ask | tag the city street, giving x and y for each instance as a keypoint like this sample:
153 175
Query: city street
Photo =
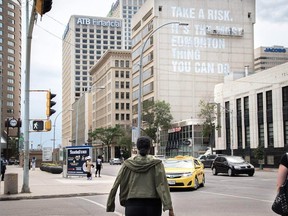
222 195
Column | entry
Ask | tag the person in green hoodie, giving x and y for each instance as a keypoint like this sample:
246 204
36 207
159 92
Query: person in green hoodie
143 185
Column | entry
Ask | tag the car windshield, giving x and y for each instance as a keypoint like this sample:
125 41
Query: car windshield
235 159
178 164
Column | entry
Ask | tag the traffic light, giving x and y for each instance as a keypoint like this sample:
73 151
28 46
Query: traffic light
48 125
43 6
49 104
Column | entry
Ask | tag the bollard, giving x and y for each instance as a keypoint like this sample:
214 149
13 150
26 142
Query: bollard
11 183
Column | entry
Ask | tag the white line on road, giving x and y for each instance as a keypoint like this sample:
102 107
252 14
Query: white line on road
102 206
240 197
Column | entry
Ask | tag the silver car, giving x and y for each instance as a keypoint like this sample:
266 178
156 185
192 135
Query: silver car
114 161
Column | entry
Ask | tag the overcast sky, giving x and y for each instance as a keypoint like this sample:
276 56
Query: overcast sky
271 28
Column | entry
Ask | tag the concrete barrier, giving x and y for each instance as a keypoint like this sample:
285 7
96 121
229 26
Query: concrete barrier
11 183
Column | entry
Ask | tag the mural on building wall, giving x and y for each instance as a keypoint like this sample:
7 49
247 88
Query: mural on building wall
188 42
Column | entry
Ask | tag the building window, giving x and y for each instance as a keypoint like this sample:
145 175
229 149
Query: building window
116 63
116 95
117 116
285 113
117 106
116 73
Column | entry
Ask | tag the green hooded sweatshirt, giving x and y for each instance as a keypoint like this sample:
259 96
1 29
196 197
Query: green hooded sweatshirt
141 177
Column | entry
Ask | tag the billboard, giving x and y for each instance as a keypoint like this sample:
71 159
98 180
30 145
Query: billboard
75 158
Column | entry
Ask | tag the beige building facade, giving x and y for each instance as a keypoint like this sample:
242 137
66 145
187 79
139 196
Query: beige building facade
85 40
254 112
182 64
112 105
268 57
10 70
125 9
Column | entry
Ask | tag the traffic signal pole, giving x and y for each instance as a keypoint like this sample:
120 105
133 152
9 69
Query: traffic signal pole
29 30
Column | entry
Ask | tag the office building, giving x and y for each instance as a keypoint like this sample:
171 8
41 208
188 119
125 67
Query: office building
182 64
111 105
85 40
125 9
268 57
10 70
254 112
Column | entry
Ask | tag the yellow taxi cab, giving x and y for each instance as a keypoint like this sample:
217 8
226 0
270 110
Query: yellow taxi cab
184 172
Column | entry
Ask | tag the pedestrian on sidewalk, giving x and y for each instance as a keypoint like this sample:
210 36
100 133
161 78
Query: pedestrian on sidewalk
3 169
99 166
89 166
143 185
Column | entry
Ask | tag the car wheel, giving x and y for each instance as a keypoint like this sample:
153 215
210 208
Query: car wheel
214 171
196 185
251 174
230 172
203 181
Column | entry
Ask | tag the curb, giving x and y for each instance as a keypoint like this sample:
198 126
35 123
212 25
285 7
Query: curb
17 197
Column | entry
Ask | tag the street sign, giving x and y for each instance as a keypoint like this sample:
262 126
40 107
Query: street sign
38 125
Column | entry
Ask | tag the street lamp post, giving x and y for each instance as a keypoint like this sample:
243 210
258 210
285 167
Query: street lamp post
140 74
54 127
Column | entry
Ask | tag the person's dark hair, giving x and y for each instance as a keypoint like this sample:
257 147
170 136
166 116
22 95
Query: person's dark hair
143 145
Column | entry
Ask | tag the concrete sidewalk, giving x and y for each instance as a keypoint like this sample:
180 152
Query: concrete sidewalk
46 185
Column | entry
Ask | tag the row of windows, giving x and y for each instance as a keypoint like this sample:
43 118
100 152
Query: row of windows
98 31
122 74
122 117
122 95
122 106
260 117
122 84
122 63
91 41
85 46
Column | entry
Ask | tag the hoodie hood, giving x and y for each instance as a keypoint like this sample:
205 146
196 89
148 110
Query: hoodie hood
141 164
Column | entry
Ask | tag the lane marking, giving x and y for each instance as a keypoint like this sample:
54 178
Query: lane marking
234 196
99 204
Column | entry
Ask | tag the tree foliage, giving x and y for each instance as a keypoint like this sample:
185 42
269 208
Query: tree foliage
125 143
208 113
107 135
156 115
259 152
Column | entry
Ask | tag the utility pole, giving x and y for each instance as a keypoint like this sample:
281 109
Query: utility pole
29 29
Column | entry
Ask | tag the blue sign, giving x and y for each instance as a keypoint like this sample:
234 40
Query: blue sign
277 50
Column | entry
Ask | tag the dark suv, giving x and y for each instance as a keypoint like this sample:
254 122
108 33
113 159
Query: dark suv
232 165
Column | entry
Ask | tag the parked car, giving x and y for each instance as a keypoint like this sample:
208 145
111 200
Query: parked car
232 165
184 172
13 161
208 160
114 161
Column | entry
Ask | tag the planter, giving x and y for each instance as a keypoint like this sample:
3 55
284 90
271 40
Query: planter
51 169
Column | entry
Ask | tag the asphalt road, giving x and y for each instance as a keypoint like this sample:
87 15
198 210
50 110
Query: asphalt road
221 196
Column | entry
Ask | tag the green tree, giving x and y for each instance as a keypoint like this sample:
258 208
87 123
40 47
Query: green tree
156 115
259 155
107 136
208 113
125 143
